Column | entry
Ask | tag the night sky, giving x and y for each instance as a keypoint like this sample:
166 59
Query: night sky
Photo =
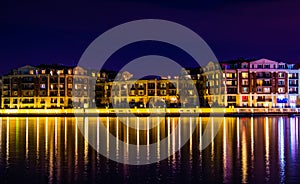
54 32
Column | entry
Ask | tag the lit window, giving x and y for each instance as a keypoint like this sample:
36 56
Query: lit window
280 90
70 86
31 72
245 89
245 82
281 75
229 75
281 82
43 86
229 83
266 90
244 75
259 82
43 71
163 92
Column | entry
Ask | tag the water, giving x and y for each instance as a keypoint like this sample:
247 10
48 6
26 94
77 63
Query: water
53 150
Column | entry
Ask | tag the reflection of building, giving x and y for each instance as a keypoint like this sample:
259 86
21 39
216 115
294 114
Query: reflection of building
45 87
261 83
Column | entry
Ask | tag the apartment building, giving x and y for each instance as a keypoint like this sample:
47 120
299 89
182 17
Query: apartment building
186 90
46 86
242 83
261 83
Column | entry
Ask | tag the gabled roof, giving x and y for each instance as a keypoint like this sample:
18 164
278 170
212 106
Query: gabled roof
27 67
263 61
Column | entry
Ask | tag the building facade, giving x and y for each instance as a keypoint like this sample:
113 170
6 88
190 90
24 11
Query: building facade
261 83
46 87
255 83
186 90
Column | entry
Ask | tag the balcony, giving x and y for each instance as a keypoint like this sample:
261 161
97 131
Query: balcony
264 84
265 76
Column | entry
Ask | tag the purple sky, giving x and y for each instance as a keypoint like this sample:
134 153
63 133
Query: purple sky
45 33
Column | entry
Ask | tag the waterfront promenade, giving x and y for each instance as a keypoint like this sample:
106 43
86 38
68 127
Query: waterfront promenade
230 112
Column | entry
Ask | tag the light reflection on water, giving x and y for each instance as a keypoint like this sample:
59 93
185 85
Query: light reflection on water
53 149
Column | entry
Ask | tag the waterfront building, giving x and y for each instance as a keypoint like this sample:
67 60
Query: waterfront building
261 83
239 83
46 86
152 91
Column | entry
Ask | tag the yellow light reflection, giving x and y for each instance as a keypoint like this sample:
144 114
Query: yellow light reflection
226 171
86 143
200 135
179 134
191 138
117 138
158 138
244 156
238 132
138 138
76 145
127 134
148 131
107 136
7 140
98 134
174 141
46 136
66 133
0 134
252 140
169 138
212 140
37 138
55 134
26 154
148 138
